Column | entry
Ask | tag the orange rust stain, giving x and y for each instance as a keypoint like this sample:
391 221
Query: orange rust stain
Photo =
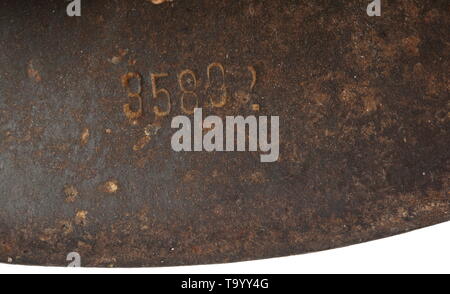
255 107
80 217
411 44
66 227
71 194
159 1
110 187
118 58
256 177
242 97
85 136
141 143
33 73
370 103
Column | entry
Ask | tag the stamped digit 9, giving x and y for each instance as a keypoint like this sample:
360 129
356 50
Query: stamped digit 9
223 97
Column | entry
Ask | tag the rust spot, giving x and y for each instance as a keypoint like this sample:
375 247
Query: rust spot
321 98
256 177
152 129
411 44
33 73
347 95
71 194
255 107
83 246
80 217
110 187
66 227
141 143
370 103
85 136
191 176
242 97
118 58
159 1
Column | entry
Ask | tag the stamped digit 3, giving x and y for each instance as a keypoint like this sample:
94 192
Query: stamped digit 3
126 78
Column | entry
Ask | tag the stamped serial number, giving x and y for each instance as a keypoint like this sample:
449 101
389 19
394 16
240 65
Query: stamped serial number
160 102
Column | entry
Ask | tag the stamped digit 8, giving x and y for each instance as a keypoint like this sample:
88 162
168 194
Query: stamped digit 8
186 91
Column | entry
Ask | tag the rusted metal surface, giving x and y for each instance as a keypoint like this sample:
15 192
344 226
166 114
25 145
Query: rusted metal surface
364 128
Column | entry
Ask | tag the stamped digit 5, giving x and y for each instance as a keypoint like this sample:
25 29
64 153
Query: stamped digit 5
157 92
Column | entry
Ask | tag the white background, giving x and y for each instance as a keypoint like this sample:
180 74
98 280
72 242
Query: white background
422 251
